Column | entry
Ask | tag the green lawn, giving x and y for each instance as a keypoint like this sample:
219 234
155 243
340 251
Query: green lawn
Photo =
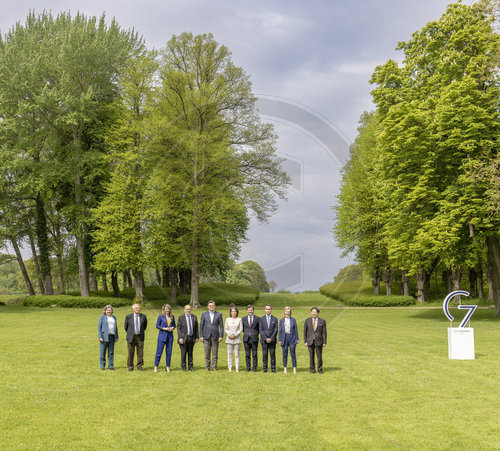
388 384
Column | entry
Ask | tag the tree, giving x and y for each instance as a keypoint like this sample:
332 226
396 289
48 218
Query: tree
248 273
119 238
220 155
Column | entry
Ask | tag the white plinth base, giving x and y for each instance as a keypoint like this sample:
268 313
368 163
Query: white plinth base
461 343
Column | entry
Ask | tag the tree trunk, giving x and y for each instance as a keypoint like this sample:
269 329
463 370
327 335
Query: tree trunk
376 281
139 295
93 282
195 281
447 280
494 263
104 282
405 283
173 284
129 278
182 282
427 284
26 277
456 275
164 276
59 251
114 284
124 280
82 268
158 277
388 276
420 275
480 283
42 236
35 261
490 281
473 282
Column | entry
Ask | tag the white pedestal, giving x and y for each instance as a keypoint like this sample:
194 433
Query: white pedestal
461 343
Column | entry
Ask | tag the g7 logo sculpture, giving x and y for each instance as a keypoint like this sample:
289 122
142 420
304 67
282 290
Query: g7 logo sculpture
446 310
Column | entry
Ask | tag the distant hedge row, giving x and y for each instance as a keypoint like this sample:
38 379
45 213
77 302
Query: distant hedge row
67 301
354 299
221 293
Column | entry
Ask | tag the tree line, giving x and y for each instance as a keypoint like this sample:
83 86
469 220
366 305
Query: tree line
126 157
421 191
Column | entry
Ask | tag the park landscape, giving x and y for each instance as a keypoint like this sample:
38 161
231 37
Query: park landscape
132 175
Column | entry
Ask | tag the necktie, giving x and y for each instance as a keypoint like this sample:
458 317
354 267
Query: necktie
268 321
250 321
137 324
314 324
189 324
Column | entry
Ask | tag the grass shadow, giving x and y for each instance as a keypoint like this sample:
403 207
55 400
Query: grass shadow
481 315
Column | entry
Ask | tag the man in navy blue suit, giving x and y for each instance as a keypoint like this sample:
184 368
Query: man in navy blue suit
268 329
211 333
251 337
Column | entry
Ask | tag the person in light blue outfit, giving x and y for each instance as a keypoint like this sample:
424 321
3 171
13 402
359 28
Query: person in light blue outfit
165 324
288 337
108 336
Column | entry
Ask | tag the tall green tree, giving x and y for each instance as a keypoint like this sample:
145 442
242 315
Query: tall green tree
217 145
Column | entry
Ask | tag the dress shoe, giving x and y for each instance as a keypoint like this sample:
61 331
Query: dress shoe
102 369
191 369
248 370
214 369
131 369
112 369
312 371
255 370
320 372
140 369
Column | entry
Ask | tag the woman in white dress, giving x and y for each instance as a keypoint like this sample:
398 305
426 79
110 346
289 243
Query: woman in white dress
233 328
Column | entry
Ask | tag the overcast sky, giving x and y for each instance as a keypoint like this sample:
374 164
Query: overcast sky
316 56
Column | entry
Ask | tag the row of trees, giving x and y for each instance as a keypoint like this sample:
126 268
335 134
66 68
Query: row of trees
129 158
421 191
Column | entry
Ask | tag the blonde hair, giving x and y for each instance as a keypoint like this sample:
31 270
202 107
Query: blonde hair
165 308
287 308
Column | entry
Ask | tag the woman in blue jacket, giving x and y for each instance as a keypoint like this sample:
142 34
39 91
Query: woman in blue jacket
165 324
107 331
288 337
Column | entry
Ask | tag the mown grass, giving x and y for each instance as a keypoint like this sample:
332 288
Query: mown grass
388 384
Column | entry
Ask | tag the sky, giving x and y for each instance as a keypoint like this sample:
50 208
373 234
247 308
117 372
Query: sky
310 64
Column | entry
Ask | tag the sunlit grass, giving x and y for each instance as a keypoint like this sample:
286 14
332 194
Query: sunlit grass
388 384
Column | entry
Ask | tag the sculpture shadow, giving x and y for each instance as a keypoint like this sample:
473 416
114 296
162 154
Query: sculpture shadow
480 315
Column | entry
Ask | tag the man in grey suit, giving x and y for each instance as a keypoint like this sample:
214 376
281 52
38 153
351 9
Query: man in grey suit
315 339
211 333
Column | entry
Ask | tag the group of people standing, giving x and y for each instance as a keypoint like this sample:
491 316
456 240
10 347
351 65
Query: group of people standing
210 331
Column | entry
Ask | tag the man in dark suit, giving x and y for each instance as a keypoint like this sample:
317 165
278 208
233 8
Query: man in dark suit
315 339
268 329
211 331
135 325
251 337
187 336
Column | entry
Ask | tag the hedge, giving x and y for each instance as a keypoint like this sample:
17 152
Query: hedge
379 301
221 293
67 301
343 294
